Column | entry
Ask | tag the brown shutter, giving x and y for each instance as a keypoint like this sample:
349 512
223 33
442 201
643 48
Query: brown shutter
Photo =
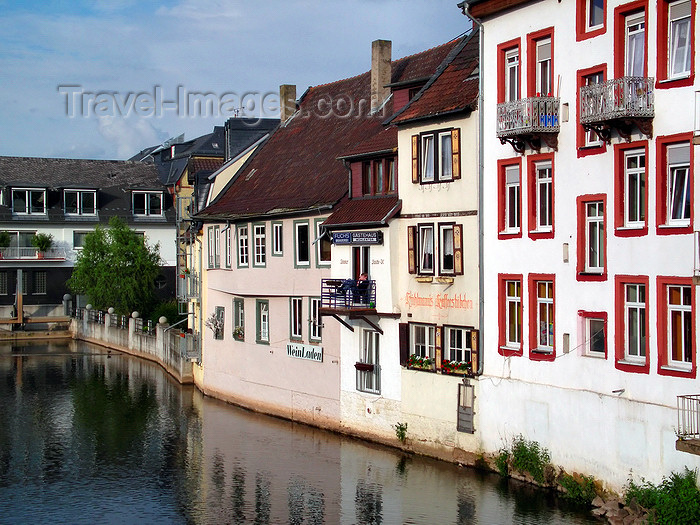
411 249
438 347
457 246
475 351
415 156
403 344
456 164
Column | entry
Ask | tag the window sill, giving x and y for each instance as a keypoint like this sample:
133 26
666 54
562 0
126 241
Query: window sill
632 363
543 351
672 80
510 348
677 368
595 355
630 228
672 226
424 278
444 280
540 232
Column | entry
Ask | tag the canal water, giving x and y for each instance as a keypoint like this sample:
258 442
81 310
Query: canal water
88 436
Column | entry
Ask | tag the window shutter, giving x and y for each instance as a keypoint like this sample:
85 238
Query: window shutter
457 246
411 249
403 344
438 347
415 156
456 164
475 351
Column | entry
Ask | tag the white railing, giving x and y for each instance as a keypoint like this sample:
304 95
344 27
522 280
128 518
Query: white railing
689 416
528 115
626 97
187 286
28 252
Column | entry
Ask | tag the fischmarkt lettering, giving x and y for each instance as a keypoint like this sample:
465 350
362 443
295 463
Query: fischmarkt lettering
439 301
301 351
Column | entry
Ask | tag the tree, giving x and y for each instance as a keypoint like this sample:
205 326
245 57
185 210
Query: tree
117 268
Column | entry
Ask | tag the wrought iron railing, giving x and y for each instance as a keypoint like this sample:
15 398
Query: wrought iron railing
28 252
625 97
689 416
528 115
348 294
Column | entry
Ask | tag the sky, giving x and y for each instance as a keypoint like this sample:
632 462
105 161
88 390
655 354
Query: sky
105 79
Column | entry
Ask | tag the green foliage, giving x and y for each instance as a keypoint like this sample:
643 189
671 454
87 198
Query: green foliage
169 310
502 462
5 239
401 429
675 500
42 241
116 267
580 489
528 456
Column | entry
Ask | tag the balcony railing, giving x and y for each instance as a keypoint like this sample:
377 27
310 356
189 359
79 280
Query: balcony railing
187 286
625 97
28 252
528 116
342 295
689 417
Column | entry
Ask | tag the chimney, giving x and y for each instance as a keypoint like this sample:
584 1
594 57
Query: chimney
288 101
381 73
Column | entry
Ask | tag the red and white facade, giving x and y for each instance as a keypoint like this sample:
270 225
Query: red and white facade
590 253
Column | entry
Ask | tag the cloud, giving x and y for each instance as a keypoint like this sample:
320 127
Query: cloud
129 135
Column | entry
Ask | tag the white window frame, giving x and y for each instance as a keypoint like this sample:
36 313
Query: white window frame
446 232
259 241
227 246
80 197
678 21
296 309
544 221
217 247
452 350
543 68
512 74
210 247
673 171
445 156
297 243
319 241
147 203
512 200
514 307
589 334
315 319
427 151
594 213
28 202
263 328
277 246
590 6
679 309
423 345
243 246
544 323
634 26
591 137
426 249
639 308
638 195
238 313
369 380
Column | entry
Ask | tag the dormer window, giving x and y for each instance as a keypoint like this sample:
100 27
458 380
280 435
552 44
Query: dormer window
28 202
147 203
79 202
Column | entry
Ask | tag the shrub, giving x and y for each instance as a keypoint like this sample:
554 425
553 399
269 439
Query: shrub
401 429
528 456
579 489
675 500
502 462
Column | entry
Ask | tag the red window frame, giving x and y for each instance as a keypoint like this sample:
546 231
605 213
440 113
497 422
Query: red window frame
532 39
581 149
662 81
581 32
533 279
581 201
501 68
662 144
532 160
662 284
502 165
502 321
620 324
594 315
619 189
621 12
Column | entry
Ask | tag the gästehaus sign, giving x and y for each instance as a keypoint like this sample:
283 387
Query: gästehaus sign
300 351
370 237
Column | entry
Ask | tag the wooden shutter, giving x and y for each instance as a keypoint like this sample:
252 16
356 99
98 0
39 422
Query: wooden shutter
415 156
411 249
457 247
438 347
456 164
475 351
403 344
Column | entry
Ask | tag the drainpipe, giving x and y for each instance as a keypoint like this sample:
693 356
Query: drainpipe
465 11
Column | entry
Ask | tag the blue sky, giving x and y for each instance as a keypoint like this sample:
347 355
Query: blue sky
121 48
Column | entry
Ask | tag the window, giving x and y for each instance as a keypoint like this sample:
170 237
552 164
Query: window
541 212
302 243
508 82
542 331
631 189
79 202
591 137
315 320
217 247
243 246
674 197
676 322
423 341
510 314
595 13
277 238
635 45
590 18
213 239
439 156
458 346
79 239
367 369
591 240
446 249
675 44
25 283
295 318
635 322
631 323
28 202
426 247
379 177
509 199
449 247
594 333
40 282
238 319
259 240
227 246
262 317
590 103
147 203
323 245
220 314
3 283
543 69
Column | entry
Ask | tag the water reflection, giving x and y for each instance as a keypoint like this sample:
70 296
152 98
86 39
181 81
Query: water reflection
87 437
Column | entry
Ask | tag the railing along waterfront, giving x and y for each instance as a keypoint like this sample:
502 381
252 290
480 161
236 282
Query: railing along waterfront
625 97
689 416
528 115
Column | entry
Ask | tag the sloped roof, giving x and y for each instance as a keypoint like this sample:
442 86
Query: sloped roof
207 164
453 88
385 140
421 65
369 211
298 169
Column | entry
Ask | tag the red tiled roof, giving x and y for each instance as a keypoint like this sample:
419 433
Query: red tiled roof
385 140
421 65
298 169
206 164
452 89
364 212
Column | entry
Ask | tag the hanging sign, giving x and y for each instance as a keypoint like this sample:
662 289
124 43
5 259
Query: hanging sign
370 237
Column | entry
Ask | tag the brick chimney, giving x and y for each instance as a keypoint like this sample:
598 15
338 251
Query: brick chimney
381 73
288 101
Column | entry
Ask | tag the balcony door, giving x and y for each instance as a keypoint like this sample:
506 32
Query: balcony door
360 261
634 45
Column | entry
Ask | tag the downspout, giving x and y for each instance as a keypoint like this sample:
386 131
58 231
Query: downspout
465 10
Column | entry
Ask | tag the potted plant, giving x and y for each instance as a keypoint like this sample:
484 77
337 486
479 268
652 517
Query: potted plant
5 240
42 242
